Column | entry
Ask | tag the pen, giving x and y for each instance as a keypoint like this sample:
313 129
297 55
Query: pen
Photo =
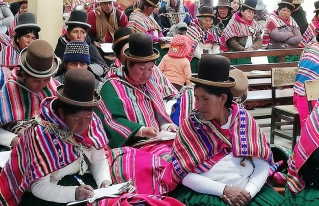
79 180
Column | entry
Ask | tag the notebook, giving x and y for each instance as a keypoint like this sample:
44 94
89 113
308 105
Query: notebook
107 47
111 191
6 137
4 157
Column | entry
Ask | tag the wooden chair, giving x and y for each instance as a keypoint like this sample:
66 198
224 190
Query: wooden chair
312 92
281 78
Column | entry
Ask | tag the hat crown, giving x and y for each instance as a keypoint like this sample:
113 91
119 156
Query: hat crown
286 1
122 32
316 4
26 18
214 68
140 45
205 10
223 3
39 55
251 3
79 85
78 16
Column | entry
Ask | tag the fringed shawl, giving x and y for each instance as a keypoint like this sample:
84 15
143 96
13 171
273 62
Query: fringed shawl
139 22
310 33
19 103
274 22
199 145
237 27
127 106
307 144
41 151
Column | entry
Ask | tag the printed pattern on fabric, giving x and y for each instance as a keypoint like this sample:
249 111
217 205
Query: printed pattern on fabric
139 22
310 33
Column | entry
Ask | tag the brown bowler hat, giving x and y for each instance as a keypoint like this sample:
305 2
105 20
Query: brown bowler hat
39 60
140 48
206 11
78 89
213 70
239 91
251 4
153 2
223 3
287 2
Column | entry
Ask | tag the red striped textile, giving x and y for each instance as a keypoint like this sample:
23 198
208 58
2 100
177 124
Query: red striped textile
139 22
310 33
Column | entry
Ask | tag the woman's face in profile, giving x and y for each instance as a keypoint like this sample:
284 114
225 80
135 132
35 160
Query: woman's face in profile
209 105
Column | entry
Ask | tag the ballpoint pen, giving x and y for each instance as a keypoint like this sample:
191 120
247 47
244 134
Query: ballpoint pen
79 180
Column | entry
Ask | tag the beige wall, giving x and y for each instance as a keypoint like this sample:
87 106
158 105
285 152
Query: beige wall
49 17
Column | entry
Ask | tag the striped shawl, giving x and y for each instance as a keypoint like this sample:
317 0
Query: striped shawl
13 25
18 103
274 22
310 33
237 27
199 144
127 106
198 34
4 41
308 68
139 22
9 56
41 151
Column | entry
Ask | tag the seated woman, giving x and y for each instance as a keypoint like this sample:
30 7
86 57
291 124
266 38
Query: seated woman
303 184
308 70
23 7
76 55
233 163
132 108
242 33
119 45
65 121
310 34
26 31
77 31
22 94
282 31
223 15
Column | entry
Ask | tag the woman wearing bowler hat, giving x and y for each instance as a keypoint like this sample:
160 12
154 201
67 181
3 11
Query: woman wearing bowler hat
310 34
65 140
220 155
31 83
23 7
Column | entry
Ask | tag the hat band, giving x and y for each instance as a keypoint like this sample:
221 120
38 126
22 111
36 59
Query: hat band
151 3
36 71
120 39
146 57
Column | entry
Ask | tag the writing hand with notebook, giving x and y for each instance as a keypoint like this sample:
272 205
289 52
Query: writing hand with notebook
111 191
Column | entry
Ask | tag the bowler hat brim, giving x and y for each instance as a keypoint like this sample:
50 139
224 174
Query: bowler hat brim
24 65
249 7
206 15
78 23
27 26
119 43
141 59
95 101
287 3
228 84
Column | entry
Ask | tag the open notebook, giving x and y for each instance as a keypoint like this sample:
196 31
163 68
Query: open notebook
111 191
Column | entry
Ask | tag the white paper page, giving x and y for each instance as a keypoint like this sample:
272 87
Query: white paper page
102 192
4 157
107 47
165 135
6 137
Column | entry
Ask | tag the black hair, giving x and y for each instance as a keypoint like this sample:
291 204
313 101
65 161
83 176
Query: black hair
131 64
15 7
68 109
317 13
22 32
244 8
217 91
288 6
317 37
71 27
145 3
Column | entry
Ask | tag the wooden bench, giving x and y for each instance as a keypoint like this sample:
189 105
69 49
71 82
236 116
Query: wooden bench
259 82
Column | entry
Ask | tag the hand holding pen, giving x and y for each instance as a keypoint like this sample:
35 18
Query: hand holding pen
83 191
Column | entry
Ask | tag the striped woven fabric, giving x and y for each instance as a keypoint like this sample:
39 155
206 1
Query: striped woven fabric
13 25
197 34
199 144
9 56
139 22
274 22
41 151
237 27
4 41
307 144
308 68
18 103
127 106
310 34
164 85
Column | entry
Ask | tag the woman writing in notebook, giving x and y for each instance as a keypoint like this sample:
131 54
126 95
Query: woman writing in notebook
66 139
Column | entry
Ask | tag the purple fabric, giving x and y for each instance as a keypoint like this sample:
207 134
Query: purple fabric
155 38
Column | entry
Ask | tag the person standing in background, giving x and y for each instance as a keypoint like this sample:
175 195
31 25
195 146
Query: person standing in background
300 16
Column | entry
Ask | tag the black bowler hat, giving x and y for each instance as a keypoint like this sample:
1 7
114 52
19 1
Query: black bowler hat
120 39
78 18
27 21
140 48
251 4
287 2
213 71
316 4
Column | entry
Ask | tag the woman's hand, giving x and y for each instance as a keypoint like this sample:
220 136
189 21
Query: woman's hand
172 128
149 132
14 141
83 192
250 49
106 183
236 196
97 44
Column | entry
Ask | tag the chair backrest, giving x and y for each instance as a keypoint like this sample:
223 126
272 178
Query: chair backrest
282 77
312 92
